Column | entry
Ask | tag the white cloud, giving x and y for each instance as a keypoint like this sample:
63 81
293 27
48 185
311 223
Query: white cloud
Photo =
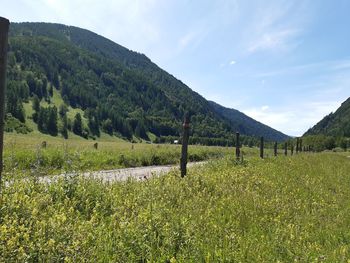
231 63
294 121
328 66
274 26
272 40
186 39
264 108
192 38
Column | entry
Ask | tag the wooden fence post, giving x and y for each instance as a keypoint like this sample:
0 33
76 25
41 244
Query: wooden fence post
297 147
185 136
301 145
237 146
262 147
275 149
4 28
292 149
285 149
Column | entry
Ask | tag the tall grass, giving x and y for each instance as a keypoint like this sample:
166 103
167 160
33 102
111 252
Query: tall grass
25 153
273 210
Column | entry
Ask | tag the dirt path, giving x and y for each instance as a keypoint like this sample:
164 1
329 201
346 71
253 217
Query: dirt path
138 173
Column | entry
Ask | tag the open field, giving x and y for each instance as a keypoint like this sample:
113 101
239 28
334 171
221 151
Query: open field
24 153
282 209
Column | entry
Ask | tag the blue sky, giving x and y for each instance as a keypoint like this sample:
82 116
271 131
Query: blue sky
284 63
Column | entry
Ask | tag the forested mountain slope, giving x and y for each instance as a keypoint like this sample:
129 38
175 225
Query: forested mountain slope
246 125
120 91
334 124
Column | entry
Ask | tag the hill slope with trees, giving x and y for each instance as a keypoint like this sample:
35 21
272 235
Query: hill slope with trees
118 91
246 125
334 124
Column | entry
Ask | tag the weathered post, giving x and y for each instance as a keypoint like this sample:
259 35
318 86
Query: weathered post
275 149
297 147
285 149
262 147
237 146
301 145
4 28
292 149
185 135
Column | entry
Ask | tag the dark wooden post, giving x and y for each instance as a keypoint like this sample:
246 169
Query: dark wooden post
292 149
262 147
4 28
297 147
185 135
301 145
237 146
275 149
285 149
44 144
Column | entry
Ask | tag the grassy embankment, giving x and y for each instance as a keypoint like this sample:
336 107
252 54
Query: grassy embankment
282 209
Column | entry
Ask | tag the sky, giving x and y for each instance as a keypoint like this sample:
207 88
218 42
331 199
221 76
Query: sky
283 63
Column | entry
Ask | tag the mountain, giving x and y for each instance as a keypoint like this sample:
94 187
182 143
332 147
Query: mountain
57 70
335 124
246 125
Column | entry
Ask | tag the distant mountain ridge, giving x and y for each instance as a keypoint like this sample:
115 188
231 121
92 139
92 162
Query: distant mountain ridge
247 125
335 124
120 91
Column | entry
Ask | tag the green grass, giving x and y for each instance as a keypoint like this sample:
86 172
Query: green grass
285 209
24 153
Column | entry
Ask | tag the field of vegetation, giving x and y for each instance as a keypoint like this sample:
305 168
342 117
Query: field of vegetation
25 153
284 209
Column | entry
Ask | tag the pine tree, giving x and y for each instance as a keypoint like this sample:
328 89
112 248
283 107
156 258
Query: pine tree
78 125
52 121
36 103
50 90
63 109
64 129
93 124
14 104
55 80
107 126
41 119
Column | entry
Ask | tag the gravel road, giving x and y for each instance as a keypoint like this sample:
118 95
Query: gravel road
138 173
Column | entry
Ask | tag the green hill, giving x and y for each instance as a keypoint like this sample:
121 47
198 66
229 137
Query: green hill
57 72
335 124
246 125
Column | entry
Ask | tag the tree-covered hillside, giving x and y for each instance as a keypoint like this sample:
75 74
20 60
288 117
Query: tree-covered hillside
335 124
118 91
246 125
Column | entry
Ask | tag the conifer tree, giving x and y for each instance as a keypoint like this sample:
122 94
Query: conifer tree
77 124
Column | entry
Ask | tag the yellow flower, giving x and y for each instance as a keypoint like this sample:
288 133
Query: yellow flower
51 243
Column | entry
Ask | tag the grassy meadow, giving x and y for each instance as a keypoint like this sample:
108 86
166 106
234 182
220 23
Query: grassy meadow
25 154
284 209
